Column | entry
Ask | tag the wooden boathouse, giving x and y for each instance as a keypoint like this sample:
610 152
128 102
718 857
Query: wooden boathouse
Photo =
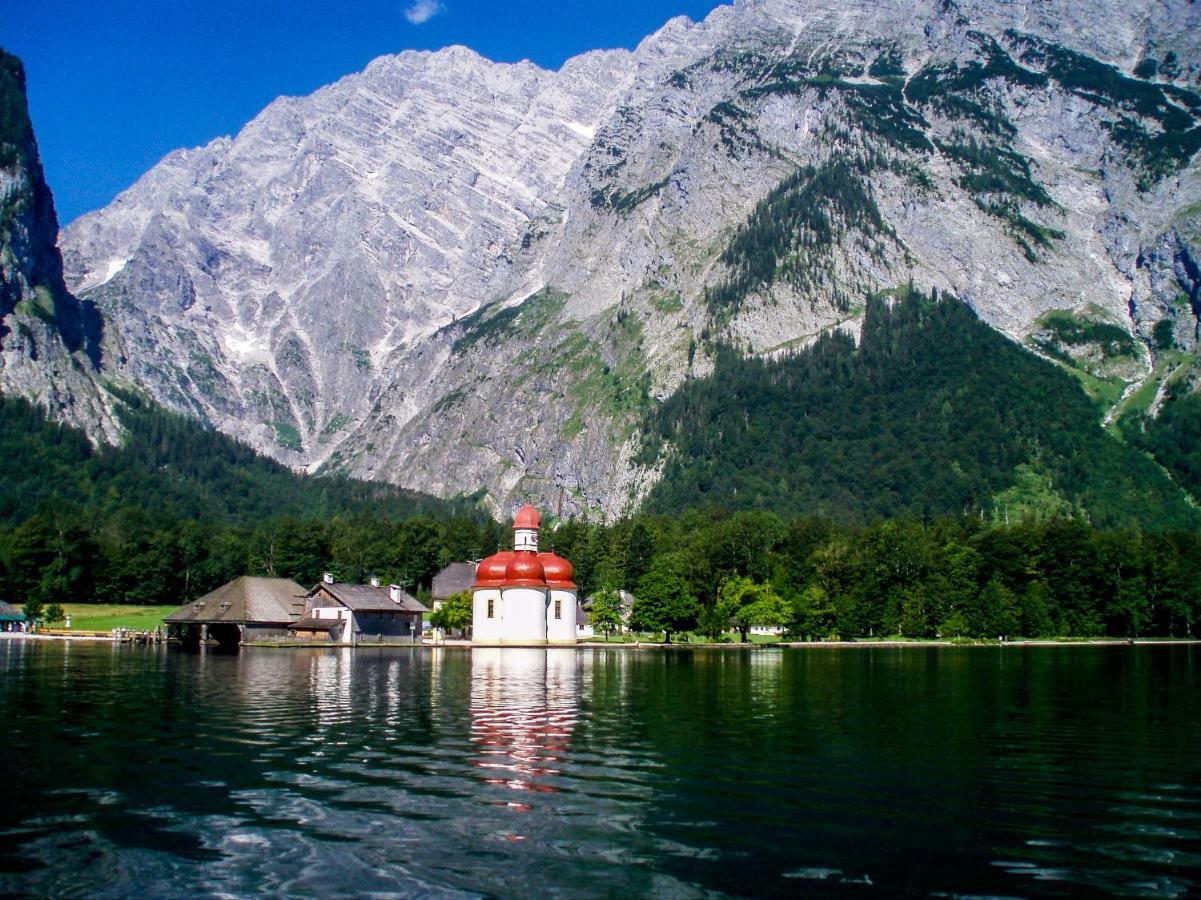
243 610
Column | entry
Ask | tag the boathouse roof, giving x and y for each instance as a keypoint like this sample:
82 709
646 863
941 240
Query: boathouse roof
10 613
269 601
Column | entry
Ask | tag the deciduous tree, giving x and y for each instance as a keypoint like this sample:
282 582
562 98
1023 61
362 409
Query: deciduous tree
454 614
664 601
605 612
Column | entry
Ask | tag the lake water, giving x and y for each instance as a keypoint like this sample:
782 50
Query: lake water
1014 771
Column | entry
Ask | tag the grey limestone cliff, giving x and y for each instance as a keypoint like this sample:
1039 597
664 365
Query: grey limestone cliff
459 275
50 343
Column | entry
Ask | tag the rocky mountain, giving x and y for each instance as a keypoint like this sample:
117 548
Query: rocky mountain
49 341
451 274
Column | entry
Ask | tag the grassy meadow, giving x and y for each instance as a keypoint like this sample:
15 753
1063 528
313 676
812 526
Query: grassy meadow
107 616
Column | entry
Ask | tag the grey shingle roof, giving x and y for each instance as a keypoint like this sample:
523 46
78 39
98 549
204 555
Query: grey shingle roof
454 579
272 601
626 598
312 624
365 598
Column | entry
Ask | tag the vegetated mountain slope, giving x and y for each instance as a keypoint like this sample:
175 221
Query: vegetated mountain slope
932 414
178 510
453 274
49 341
171 468
1174 437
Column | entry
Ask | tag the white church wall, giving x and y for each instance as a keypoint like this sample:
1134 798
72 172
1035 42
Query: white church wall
524 619
486 629
560 629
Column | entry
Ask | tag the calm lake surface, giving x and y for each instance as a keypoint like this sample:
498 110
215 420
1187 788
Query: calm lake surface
1015 771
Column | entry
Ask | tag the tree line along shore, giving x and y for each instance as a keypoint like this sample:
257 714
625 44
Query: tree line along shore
701 572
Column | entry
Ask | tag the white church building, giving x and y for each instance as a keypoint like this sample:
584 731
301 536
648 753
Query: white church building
523 597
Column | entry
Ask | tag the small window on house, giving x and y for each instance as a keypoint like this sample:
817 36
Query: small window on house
558 609
489 607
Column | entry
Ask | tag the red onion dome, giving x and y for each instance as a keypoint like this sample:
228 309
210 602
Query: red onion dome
491 571
559 572
525 570
528 517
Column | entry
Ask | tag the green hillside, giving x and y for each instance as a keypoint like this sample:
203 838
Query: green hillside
175 468
178 509
934 413
1174 437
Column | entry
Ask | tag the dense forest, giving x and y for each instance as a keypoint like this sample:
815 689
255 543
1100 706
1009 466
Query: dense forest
937 480
1174 437
179 509
934 413
947 577
708 571
699 571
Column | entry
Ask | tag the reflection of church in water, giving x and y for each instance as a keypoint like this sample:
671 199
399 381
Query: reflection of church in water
523 713
523 597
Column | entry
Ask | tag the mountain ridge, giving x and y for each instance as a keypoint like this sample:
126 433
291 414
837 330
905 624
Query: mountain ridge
985 153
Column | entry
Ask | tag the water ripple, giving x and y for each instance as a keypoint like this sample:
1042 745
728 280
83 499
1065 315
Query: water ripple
607 773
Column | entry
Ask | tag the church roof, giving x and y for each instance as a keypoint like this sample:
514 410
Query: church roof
525 570
528 517
490 573
559 572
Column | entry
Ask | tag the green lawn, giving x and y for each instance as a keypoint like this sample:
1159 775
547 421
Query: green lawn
107 616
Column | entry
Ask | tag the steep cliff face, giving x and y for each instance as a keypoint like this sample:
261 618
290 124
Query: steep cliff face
454 274
271 283
49 341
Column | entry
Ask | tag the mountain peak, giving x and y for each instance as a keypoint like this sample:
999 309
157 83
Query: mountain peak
378 277
49 342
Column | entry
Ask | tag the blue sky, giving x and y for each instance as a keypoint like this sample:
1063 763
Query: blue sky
114 85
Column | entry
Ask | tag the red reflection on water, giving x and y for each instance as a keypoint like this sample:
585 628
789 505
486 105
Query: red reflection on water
523 713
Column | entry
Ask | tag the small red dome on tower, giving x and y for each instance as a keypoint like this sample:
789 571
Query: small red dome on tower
559 572
491 571
525 570
528 517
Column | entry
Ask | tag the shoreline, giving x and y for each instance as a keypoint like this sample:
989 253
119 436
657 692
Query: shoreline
34 636
902 644
643 645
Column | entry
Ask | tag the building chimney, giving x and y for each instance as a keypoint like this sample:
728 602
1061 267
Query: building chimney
375 581
394 590
327 577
